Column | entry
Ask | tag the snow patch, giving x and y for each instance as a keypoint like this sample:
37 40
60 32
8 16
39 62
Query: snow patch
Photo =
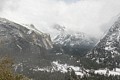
56 66
107 72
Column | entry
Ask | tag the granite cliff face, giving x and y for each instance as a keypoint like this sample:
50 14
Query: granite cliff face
24 43
15 38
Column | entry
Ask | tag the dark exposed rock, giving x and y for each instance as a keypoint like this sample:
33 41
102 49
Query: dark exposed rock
25 44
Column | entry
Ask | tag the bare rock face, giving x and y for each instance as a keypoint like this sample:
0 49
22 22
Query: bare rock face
73 43
15 38
24 43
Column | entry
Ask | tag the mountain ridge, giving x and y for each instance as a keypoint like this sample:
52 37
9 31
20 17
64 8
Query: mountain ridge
70 42
107 51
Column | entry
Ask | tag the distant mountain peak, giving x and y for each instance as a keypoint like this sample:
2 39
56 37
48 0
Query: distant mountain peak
72 42
59 27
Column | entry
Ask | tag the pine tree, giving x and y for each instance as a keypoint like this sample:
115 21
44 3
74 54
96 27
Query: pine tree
6 70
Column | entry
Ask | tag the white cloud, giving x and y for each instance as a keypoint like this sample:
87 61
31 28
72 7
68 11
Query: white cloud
85 15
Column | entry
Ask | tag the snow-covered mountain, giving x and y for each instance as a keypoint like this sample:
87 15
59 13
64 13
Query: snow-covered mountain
107 51
71 42
30 48
23 43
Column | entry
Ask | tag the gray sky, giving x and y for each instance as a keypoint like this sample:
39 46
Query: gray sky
89 16
69 1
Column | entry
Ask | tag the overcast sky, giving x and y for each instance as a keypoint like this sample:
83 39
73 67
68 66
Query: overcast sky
89 16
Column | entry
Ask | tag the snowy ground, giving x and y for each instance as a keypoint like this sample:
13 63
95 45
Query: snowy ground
105 71
56 66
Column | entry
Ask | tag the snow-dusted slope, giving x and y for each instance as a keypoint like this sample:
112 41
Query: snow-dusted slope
71 42
72 38
68 37
107 51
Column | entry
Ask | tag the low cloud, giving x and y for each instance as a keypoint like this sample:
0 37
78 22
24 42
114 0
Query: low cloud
81 15
2 4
